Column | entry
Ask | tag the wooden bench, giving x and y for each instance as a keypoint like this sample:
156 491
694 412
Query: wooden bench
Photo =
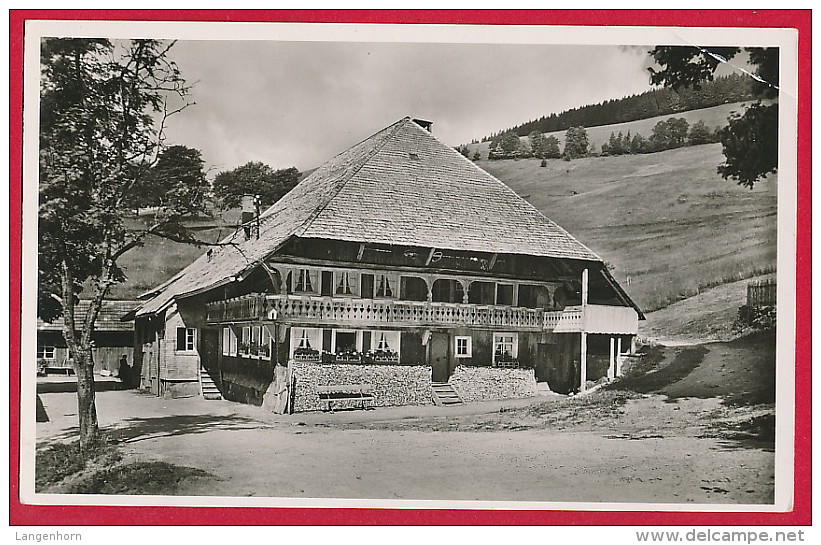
345 392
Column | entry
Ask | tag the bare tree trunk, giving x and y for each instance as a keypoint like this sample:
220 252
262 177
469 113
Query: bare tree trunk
83 364
87 409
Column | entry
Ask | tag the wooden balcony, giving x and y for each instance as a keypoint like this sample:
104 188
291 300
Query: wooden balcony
593 319
380 312
317 310
239 309
568 320
313 310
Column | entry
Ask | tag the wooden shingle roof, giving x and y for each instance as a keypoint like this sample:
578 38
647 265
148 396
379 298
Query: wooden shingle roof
110 317
400 186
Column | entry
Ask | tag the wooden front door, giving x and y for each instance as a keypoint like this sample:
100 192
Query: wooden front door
439 357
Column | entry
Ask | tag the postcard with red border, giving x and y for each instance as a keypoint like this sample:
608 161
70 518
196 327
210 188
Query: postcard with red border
410 268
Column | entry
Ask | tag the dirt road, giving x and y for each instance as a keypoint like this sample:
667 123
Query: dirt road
637 449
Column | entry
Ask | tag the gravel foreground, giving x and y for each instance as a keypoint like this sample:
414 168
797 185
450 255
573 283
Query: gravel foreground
606 446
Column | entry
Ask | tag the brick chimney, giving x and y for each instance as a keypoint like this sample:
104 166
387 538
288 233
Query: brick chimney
250 215
424 124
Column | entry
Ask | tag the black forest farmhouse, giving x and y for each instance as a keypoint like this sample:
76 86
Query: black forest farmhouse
398 270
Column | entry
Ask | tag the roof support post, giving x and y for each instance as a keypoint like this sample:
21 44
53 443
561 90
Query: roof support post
583 357
465 287
611 369
583 363
492 262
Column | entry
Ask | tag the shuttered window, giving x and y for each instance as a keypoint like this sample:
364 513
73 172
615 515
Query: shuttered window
186 339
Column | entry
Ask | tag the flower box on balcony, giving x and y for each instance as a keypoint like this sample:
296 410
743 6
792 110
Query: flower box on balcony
348 356
381 356
506 361
306 355
327 357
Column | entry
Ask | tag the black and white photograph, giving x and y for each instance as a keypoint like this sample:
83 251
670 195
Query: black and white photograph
408 266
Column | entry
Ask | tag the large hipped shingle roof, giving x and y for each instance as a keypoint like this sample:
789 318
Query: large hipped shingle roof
400 186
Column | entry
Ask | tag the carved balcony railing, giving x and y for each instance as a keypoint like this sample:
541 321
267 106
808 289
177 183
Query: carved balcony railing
239 309
364 312
306 309
330 311
569 320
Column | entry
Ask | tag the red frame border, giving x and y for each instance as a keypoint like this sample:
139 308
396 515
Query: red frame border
20 514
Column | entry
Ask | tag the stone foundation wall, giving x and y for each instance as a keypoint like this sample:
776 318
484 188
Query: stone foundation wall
392 384
480 383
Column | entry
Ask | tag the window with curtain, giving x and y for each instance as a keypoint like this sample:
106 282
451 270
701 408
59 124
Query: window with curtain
304 340
245 341
305 281
384 285
346 283
505 346
264 343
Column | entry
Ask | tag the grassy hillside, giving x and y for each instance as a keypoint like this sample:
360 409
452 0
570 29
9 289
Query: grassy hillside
708 316
712 117
667 222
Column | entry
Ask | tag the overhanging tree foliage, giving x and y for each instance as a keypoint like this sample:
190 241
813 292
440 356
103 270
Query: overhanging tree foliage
103 105
750 140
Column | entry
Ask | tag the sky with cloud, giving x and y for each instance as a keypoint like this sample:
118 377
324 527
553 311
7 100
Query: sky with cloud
289 103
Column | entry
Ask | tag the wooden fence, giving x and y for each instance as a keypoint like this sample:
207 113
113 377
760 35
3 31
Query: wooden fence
761 293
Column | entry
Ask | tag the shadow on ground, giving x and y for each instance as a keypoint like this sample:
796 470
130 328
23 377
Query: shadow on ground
139 429
757 432
71 386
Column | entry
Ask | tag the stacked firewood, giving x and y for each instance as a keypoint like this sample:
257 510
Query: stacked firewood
479 383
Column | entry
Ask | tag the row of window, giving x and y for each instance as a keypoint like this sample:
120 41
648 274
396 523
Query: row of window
367 285
505 346
381 285
253 341
345 340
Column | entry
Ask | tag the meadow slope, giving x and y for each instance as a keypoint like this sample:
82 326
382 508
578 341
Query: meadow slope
666 222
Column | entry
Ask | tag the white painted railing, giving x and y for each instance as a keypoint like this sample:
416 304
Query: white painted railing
312 309
308 309
568 320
